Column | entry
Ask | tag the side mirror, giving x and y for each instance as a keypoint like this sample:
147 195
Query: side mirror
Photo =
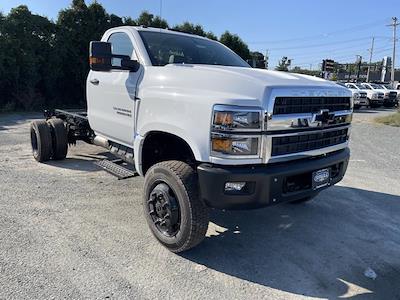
102 59
129 64
100 56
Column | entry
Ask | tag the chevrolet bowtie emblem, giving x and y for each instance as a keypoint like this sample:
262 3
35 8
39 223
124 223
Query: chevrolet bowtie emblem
323 117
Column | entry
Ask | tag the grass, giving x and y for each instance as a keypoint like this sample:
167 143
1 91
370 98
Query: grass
392 120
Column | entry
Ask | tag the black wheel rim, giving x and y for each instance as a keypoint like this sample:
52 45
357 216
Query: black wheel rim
34 142
163 209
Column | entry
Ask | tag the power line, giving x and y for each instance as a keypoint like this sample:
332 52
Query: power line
354 28
322 45
335 51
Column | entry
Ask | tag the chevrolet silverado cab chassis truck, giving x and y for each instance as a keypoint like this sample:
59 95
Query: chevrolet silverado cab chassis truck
204 128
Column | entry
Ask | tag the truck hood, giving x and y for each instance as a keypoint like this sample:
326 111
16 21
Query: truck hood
238 85
263 77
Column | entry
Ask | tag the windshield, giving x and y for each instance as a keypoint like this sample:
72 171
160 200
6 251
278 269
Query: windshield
376 86
386 86
168 48
361 87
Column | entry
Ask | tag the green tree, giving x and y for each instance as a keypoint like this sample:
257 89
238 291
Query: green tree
300 70
76 27
235 43
128 21
283 64
188 27
25 43
258 60
44 63
148 19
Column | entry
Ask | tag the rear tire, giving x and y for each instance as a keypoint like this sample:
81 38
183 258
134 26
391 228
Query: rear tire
41 141
59 138
173 209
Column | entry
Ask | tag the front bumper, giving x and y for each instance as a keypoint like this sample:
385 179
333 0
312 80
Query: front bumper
267 184
389 101
376 101
361 101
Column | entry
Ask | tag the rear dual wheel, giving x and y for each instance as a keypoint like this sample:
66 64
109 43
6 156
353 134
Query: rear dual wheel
59 138
49 140
173 209
41 141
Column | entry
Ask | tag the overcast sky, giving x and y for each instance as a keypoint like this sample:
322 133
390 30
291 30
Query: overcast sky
306 31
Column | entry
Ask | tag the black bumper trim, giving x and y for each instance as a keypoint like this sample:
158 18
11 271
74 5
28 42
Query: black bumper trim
269 181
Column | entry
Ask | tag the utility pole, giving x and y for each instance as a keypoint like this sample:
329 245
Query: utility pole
394 25
358 62
370 58
266 59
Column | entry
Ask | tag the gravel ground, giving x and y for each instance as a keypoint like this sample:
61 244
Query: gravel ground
71 230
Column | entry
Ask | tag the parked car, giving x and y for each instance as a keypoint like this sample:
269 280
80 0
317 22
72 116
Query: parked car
393 97
359 96
204 128
388 96
374 98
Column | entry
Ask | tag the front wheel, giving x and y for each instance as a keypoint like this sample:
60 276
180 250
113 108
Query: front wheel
172 206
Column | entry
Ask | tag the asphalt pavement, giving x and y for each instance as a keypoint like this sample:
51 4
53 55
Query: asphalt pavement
70 230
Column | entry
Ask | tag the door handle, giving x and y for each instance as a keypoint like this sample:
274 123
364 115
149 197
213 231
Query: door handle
95 81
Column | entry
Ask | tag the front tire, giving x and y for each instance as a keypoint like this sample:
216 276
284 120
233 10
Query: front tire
173 209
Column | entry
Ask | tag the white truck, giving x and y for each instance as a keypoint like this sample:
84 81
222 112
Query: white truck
389 97
394 95
374 98
204 128
360 97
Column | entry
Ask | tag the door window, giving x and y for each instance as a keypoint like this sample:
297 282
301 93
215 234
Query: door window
121 44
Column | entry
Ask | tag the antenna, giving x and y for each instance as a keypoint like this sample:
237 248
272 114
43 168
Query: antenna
160 13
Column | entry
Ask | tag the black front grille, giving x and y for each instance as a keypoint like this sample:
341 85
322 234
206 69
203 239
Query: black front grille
296 105
306 142
392 95
363 95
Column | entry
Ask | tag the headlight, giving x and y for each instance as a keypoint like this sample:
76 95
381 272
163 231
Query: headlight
234 145
236 131
356 95
229 118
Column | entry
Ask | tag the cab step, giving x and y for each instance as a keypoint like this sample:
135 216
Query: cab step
117 168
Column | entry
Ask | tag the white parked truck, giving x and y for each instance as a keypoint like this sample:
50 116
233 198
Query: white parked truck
374 98
204 128
389 97
394 95
359 96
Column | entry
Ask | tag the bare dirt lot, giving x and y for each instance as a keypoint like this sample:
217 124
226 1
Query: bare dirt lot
70 230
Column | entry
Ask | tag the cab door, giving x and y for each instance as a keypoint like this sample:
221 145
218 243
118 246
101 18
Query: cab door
111 95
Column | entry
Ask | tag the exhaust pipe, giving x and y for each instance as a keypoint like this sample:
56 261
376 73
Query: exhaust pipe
100 141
